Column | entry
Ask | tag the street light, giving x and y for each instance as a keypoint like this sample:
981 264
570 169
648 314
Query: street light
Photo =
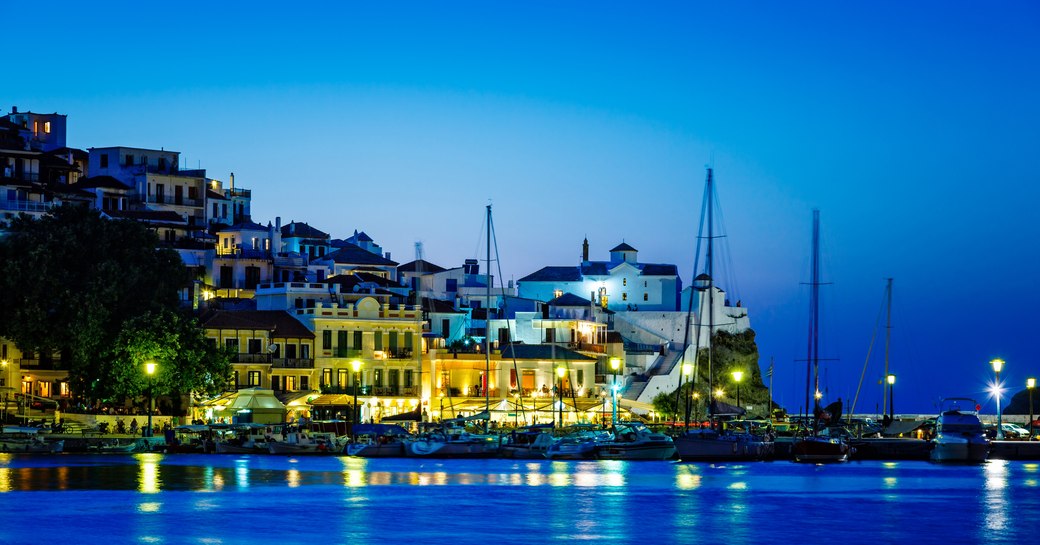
149 369
355 413
998 364
561 372
891 380
615 366
1030 383
603 409
697 407
737 377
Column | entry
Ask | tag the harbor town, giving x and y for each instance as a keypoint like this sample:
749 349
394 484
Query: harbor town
276 337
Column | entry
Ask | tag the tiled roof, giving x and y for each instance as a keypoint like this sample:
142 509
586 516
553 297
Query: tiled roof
623 248
210 194
300 229
361 237
355 255
554 274
106 182
595 268
279 322
427 267
570 300
542 352
659 269
246 225
439 306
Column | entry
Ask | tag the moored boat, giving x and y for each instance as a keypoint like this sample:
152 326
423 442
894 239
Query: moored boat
634 441
959 436
305 442
528 442
27 439
378 441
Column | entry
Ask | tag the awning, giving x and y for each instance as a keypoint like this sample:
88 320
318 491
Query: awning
635 406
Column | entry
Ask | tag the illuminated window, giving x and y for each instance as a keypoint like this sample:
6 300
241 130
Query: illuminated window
624 297
254 378
624 281
36 127
557 293
646 297
47 127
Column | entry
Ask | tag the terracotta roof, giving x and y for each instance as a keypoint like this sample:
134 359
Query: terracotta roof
300 229
570 300
356 255
280 323
554 274
427 267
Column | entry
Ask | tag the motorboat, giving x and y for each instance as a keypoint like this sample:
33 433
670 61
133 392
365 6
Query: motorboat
306 442
820 449
116 446
27 439
450 439
528 442
959 436
578 443
634 441
378 441
246 438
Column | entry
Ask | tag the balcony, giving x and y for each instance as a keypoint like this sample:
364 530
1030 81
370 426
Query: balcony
588 347
26 206
293 363
342 352
170 200
39 364
253 358
243 253
399 353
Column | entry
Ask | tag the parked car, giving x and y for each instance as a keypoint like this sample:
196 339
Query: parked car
1011 431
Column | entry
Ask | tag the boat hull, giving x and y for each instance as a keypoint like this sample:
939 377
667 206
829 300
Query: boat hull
691 448
376 450
820 450
451 449
650 450
959 450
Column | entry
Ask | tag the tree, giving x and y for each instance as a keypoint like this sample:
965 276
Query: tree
185 360
71 279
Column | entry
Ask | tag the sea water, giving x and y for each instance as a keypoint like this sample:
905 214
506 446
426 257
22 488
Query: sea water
255 499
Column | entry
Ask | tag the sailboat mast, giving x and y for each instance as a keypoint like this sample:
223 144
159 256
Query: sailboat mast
888 338
813 374
487 328
710 269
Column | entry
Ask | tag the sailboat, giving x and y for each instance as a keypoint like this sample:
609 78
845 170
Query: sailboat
813 447
714 443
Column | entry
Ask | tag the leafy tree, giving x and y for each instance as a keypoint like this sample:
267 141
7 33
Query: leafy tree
185 360
72 281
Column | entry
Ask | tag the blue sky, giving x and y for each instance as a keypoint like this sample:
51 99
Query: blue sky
912 128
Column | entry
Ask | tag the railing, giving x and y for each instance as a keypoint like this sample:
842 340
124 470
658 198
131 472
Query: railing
247 193
171 200
38 363
26 205
395 390
399 353
348 390
588 347
294 363
343 352
243 253
251 358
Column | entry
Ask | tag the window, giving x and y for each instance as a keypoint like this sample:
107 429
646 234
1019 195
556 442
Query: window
624 297
305 351
290 384
144 159
304 382
252 277
341 343
232 345
255 346
379 340
326 377
581 377
326 337
408 340
214 210
341 377
357 340
276 383
377 377
557 293
103 160
445 328
393 377
451 285
550 335
254 378
234 380
227 242
128 160
644 283
646 296
47 127
193 192
223 210
162 163
408 378
624 281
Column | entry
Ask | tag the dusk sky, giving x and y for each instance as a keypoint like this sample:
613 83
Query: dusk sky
913 128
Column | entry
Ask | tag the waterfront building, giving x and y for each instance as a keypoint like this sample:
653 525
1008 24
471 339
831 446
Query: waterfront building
270 349
622 283
40 132
348 258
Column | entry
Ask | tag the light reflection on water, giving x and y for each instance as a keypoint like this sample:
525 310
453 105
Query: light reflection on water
472 501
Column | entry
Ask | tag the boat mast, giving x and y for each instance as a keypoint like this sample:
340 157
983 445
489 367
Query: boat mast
710 269
487 329
813 374
888 338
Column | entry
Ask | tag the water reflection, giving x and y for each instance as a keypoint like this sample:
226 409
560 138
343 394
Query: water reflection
995 500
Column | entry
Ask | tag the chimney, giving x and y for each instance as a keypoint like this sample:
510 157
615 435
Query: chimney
388 256
232 182
14 109
276 242
585 251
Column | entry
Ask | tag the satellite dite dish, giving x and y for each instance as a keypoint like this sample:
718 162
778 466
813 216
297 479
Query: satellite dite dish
272 348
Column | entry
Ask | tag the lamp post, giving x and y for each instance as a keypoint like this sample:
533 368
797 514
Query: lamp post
737 377
561 372
891 380
355 413
149 369
3 364
687 370
603 410
998 364
615 366
697 407
1030 383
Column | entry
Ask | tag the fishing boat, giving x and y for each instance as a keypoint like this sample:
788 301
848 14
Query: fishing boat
959 436
247 438
716 443
27 439
378 441
814 447
115 446
189 439
634 441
